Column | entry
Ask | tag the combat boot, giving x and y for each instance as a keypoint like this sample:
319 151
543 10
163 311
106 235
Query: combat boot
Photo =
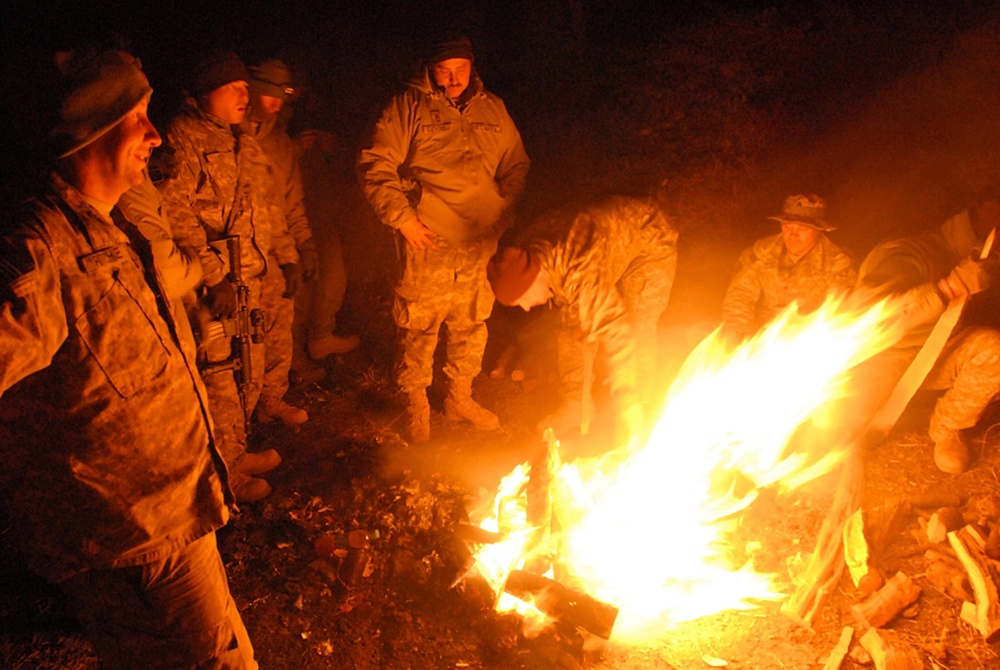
328 345
459 406
248 489
951 453
418 413
270 408
257 463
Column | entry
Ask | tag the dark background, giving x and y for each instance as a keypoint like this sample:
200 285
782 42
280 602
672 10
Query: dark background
887 109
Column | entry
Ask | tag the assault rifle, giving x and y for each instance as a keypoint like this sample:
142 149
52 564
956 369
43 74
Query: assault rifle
245 327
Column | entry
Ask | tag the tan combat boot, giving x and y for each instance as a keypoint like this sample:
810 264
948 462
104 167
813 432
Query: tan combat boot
951 453
418 412
459 406
270 408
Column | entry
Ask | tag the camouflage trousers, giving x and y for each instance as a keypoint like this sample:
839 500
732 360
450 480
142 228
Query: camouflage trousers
223 394
318 300
279 313
447 286
644 290
967 370
174 613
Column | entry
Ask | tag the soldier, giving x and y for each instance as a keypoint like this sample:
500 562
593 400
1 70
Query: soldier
214 192
110 469
800 265
610 267
270 87
922 274
445 162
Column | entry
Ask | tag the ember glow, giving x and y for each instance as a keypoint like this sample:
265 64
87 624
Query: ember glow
647 528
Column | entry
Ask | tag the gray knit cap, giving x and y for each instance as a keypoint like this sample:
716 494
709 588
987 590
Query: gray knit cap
95 97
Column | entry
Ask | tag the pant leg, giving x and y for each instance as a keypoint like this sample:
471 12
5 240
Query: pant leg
419 307
174 613
329 287
470 304
279 312
969 370
645 290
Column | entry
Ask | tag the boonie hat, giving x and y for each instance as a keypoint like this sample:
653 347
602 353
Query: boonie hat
807 209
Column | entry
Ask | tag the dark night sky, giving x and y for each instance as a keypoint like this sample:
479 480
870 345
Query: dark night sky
849 53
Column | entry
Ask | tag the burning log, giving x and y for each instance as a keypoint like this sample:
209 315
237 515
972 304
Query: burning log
883 606
890 651
827 562
560 602
984 576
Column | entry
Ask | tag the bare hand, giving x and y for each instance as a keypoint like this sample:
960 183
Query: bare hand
417 234
293 278
324 141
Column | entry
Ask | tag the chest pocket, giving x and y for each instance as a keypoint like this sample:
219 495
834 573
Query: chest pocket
122 340
216 194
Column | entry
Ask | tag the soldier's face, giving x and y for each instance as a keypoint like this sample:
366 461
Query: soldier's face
228 102
799 238
270 105
453 76
121 154
537 294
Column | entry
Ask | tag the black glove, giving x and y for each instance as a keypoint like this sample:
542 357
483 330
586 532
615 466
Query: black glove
293 278
221 300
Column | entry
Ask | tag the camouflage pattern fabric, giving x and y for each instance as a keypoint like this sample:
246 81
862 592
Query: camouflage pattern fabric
968 369
108 454
173 613
445 285
611 268
457 169
768 279
279 312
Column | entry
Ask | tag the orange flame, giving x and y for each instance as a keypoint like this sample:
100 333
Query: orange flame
647 527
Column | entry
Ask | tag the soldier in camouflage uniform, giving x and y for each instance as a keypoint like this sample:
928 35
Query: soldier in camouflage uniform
800 265
110 473
270 86
610 267
443 165
214 193
922 274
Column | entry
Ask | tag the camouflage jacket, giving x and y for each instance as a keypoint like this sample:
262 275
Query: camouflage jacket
286 178
106 440
587 252
768 279
458 169
909 268
215 192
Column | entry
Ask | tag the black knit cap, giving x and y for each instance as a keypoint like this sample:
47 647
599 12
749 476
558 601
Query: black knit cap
455 46
218 69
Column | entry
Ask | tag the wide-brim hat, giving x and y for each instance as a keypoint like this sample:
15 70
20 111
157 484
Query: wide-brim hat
807 209
95 97
511 273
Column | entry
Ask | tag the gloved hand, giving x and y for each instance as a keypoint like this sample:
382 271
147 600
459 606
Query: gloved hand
969 277
293 278
308 259
221 300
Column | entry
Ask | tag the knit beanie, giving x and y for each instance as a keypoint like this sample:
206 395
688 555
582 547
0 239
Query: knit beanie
94 97
273 78
217 70
453 47
511 273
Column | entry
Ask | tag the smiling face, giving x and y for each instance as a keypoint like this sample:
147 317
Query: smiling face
799 238
117 159
453 76
228 102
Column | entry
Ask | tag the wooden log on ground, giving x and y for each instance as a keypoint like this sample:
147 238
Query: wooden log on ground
563 603
984 576
837 654
882 607
890 651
